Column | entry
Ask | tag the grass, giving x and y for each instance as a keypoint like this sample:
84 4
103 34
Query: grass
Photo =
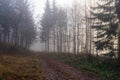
107 69
20 67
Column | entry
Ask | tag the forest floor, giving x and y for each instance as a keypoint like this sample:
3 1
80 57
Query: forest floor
39 66
20 67
55 70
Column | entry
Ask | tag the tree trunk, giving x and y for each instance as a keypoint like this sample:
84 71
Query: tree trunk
119 45
54 41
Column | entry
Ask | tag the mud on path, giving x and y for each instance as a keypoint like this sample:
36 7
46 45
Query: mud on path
55 70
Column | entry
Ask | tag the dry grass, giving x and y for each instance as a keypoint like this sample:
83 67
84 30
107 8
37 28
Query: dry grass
14 67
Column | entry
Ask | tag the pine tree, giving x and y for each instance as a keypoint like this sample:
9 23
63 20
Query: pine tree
5 10
117 2
46 24
16 23
54 17
106 25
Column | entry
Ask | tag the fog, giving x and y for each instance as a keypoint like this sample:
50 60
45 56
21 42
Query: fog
38 9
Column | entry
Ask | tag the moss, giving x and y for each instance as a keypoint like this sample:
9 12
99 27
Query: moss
4 69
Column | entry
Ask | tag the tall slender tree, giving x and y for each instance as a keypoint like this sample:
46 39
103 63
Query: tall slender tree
54 17
46 24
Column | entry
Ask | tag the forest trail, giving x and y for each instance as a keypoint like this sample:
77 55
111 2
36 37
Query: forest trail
55 70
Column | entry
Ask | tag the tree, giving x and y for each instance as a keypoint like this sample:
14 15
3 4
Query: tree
24 29
61 25
54 19
106 25
117 3
16 23
46 24
5 9
76 18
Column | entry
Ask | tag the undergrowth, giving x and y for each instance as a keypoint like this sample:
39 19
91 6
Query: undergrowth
106 68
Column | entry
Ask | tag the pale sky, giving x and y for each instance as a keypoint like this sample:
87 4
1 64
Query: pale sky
39 5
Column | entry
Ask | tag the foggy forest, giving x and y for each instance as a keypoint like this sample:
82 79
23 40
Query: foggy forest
59 39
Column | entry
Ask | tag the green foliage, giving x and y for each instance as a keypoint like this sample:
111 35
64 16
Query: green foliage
106 25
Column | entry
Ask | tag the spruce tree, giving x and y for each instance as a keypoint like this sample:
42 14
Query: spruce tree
117 2
54 19
46 24
106 25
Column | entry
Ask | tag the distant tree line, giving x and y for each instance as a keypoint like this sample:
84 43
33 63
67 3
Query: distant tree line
16 23
61 29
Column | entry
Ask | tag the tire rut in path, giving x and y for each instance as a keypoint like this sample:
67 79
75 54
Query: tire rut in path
50 72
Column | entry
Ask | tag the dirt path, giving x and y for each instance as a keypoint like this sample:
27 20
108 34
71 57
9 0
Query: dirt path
55 70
